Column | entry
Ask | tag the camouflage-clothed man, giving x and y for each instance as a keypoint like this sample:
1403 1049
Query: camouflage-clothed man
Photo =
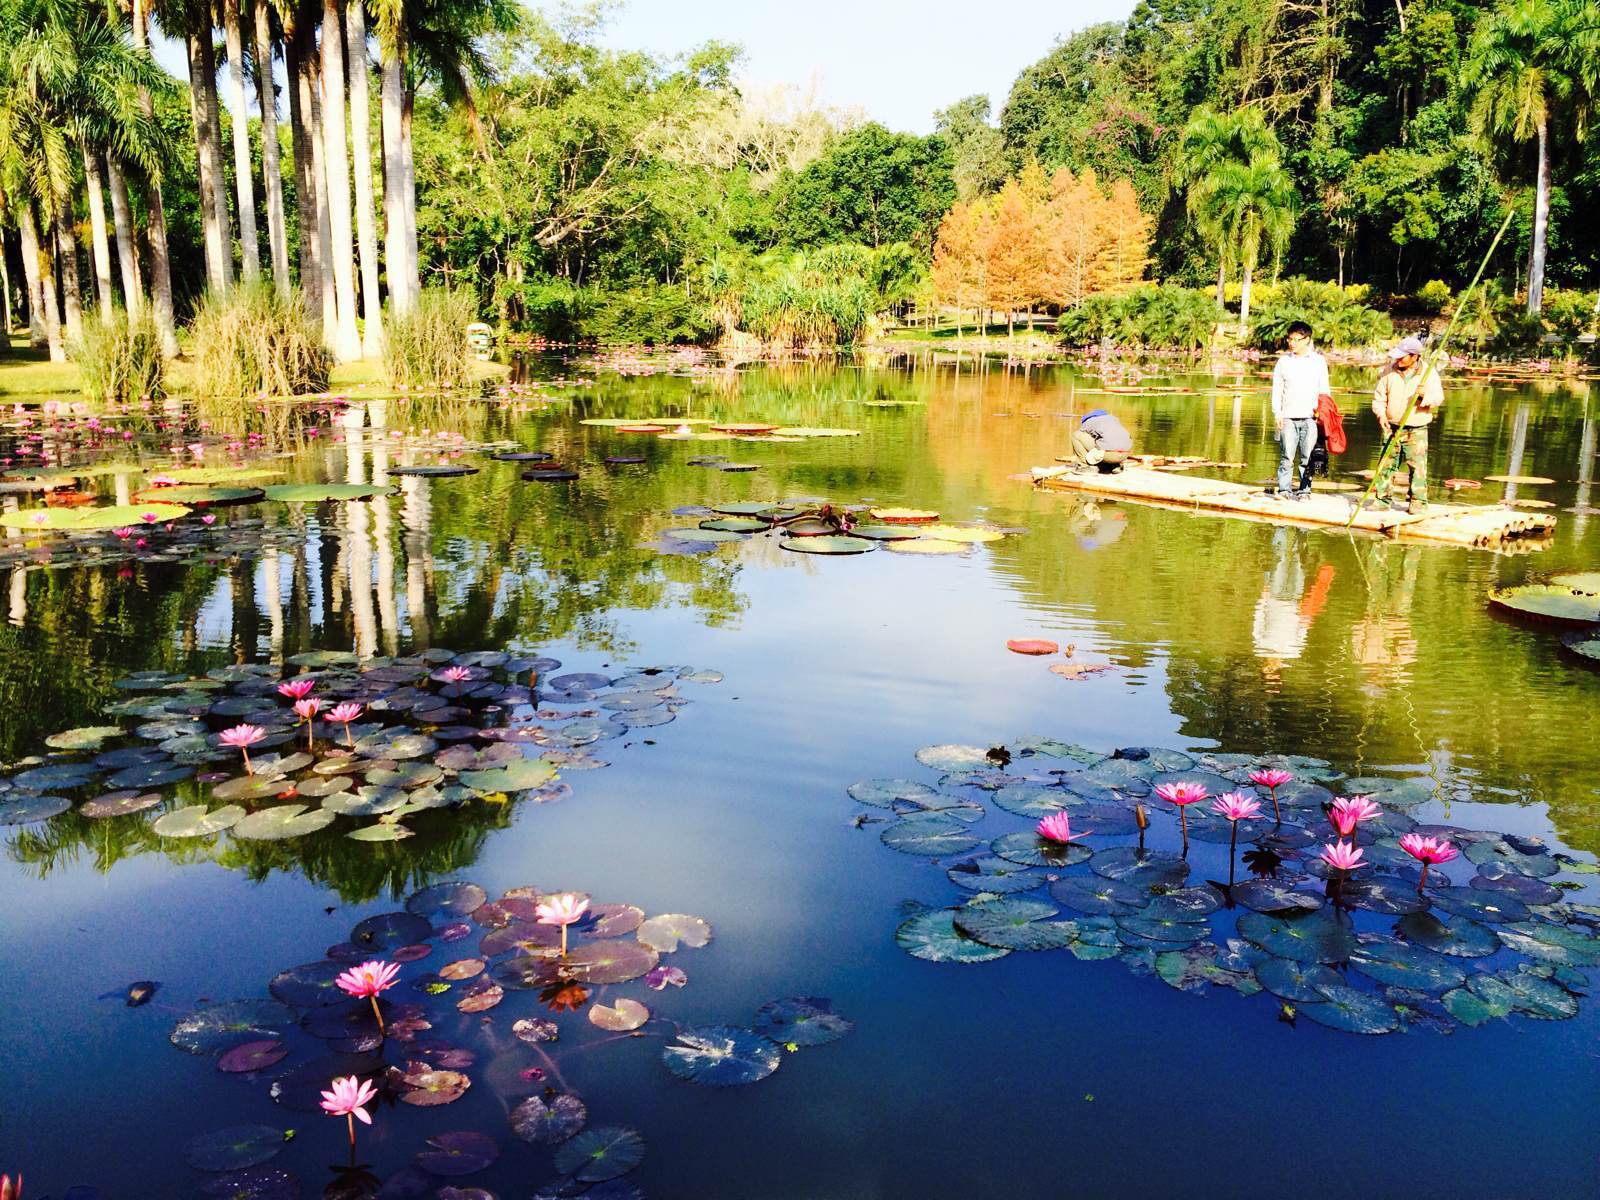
1397 383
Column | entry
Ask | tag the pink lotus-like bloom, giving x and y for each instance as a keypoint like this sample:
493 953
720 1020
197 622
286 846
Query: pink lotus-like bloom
343 714
348 1098
123 531
149 518
369 978
562 908
1270 777
297 689
163 480
1342 856
242 737
1057 827
1236 806
1348 812
209 519
307 708
455 674
1427 851
1183 793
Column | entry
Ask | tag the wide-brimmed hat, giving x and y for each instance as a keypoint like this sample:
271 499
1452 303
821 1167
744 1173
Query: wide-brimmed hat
1410 345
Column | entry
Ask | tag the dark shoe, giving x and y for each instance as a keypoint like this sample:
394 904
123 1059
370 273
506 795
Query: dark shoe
1302 493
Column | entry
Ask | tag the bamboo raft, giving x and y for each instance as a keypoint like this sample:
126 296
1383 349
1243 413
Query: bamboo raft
1480 525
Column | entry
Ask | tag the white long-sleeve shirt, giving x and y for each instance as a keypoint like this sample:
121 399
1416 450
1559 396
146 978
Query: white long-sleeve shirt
1297 381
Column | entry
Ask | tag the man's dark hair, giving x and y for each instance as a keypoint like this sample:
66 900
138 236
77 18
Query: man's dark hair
1298 327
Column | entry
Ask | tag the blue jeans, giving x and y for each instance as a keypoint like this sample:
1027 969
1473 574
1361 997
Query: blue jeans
1298 440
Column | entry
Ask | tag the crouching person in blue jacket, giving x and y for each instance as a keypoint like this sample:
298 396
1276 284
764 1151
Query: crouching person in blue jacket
1100 441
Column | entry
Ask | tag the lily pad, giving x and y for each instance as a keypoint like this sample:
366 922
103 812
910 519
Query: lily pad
434 472
88 737
119 804
252 1056
1401 964
1274 895
1292 980
598 1155
1351 1010
933 936
1458 937
385 931
549 1122
993 874
520 776
1013 923
219 1027
78 520
1549 603
882 793
1552 943
954 758
280 822
1030 850
26 810
234 1147
828 544
453 899
1098 896
463 1152
196 821
1489 908
430 1089
722 1056
801 1021
664 933
1142 868
316 493
610 962
930 834
1318 937
201 495
624 1016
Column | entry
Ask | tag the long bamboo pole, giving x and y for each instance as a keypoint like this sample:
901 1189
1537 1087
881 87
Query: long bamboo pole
1429 368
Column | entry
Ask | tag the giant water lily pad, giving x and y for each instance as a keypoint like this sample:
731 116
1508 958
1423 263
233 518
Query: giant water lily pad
1549 603
1318 937
316 493
598 1155
200 495
1351 1010
234 1147
933 936
828 544
219 1027
197 821
78 520
930 834
722 1056
548 1122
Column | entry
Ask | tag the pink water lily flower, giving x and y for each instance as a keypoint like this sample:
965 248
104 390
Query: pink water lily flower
124 532
1427 851
1236 806
348 1098
1348 812
307 710
1271 778
149 518
561 908
343 714
242 737
297 689
1057 827
1183 793
1342 856
369 979
209 519
455 675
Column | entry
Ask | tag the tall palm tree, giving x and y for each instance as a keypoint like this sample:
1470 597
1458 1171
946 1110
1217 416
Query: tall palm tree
1531 62
271 169
156 225
1209 140
1253 202
249 242
345 339
190 22
361 152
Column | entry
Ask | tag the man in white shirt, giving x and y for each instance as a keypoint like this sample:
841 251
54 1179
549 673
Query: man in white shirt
1300 377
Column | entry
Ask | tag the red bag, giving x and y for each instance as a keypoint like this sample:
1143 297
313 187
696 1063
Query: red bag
1332 422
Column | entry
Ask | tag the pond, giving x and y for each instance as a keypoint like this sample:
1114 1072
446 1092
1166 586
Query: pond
716 712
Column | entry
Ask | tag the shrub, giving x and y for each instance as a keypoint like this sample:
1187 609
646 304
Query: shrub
796 313
119 358
1336 319
1150 316
1569 314
1433 297
647 314
250 340
427 347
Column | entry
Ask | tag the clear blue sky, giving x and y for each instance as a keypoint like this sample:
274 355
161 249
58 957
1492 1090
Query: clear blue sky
897 60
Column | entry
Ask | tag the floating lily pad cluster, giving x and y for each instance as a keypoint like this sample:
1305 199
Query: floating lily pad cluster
1506 931
434 730
1570 602
811 526
485 1001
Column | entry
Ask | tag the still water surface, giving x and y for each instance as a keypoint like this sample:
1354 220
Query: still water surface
1031 1076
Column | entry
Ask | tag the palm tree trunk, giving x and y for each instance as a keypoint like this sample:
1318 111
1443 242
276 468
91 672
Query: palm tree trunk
320 230
5 283
156 225
97 229
219 265
271 168
408 197
249 245
1541 223
1244 297
361 154
401 264
122 223
1222 281
31 275
39 252
71 289
305 181
336 156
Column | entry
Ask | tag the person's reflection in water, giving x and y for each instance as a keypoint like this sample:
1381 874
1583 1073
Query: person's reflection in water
1095 524
1286 610
1383 642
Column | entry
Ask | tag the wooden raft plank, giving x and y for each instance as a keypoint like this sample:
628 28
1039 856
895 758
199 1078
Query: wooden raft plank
1444 524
